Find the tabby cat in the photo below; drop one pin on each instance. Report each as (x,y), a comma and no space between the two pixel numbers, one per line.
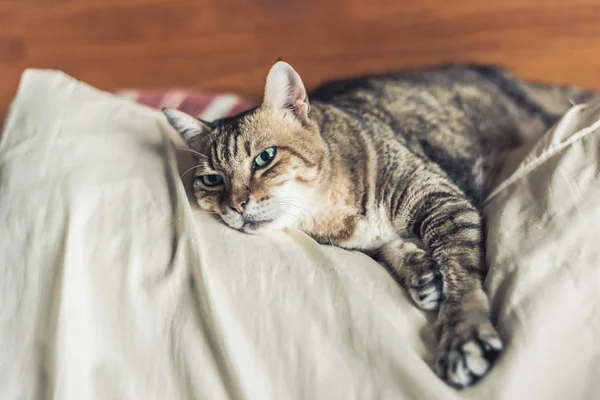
(395,166)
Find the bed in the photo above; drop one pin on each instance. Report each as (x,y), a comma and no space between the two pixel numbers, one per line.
(114,286)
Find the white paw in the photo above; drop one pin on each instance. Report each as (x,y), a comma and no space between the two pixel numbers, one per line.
(427,293)
(466,360)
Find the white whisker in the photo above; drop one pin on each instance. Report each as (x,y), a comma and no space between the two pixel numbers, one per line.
(192,151)
(189,169)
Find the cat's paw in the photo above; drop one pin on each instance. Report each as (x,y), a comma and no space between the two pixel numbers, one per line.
(466,354)
(427,286)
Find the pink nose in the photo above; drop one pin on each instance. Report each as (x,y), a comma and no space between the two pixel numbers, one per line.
(240,206)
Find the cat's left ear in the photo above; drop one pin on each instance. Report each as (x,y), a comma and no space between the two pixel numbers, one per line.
(285,91)
(189,128)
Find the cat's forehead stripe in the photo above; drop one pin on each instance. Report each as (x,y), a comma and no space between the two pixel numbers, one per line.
(235,139)
(225,146)
(221,147)
(214,159)
(232,144)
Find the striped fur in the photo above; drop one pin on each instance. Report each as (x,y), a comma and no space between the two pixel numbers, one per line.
(395,166)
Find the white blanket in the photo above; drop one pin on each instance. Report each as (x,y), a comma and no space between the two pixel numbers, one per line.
(113,287)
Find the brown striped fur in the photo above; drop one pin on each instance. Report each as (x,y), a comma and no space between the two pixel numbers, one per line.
(395,166)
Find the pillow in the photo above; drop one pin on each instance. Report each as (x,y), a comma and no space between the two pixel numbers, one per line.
(115,286)
(544,262)
(207,106)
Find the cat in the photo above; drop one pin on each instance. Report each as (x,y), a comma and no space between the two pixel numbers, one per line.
(396,166)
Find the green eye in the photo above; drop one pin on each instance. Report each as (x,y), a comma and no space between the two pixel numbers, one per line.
(212,180)
(264,158)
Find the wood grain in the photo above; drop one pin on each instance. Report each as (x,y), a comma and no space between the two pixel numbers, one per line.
(228,45)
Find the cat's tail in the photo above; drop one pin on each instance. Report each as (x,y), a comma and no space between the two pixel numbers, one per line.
(557,99)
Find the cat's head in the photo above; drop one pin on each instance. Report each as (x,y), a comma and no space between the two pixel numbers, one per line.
(263,169)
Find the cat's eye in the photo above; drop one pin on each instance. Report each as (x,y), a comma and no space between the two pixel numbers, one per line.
(211,180)
(264,158)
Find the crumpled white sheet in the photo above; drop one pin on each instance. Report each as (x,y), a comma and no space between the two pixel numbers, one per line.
(114,287)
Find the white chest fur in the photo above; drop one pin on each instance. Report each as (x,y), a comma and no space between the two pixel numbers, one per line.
(371,232)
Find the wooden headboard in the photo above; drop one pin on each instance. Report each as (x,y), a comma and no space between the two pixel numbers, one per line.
(228,45)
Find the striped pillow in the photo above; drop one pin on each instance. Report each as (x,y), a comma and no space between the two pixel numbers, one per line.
(206,106)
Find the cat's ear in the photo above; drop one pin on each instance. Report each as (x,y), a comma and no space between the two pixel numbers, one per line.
(189,128)
(285,91)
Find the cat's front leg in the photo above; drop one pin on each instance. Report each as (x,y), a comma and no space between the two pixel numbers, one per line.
(452,230)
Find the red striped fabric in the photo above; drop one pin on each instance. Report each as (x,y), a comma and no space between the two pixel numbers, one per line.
(207,106)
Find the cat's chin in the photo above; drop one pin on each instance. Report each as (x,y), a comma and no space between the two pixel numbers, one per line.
(252,226)
(258,227)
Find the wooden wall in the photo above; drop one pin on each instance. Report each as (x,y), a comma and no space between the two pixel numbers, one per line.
(230,44)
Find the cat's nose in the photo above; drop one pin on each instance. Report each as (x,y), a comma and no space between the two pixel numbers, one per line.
(240,205)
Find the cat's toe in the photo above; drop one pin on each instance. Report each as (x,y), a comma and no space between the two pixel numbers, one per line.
(427,291)
(467,358)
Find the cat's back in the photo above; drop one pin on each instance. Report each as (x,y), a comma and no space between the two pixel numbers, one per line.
(455,99)
(457,116)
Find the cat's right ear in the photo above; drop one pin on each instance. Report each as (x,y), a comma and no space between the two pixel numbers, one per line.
(189,128)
